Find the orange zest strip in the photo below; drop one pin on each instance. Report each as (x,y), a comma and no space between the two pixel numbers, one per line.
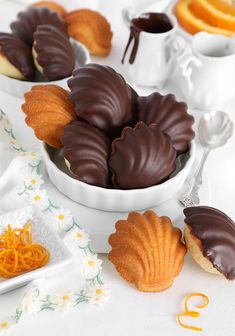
(206,300)
(191,313)
(18,253)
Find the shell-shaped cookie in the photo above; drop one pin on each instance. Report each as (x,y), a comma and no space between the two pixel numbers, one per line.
(147,251)
(170,116)
(27,22)
(142,157)
(214,234)
(86,150)
(53,53)
(48,110)
(101,97)
(21,62)
(51,5)
(92,29)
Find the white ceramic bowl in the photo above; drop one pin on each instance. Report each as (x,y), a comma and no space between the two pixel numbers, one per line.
(113,199)
(17,88)
(42,234)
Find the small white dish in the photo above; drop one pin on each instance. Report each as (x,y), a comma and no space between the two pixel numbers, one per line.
(113,199)
(17,88)
(42,234)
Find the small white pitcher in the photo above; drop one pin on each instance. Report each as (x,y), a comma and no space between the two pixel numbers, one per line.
(154,60)
(207,72)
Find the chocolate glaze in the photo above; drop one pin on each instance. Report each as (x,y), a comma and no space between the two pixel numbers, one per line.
(216,231)
(101,97)
(154,23)
(87,149)
(18,53)
(142,157)
(170,117)
(27,22)
(54,52)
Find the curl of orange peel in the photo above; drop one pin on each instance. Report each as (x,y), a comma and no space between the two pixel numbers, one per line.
(18,253)
(192,313)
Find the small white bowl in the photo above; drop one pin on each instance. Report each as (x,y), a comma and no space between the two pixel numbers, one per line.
(113,199)
(16,87)
(42,234)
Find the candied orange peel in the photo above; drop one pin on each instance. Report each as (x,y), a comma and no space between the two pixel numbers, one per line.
(191,313)
(18,253)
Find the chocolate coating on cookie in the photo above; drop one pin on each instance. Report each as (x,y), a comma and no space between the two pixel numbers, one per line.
(18,53)
(54,52)
(170,116)
(101,97)
(27,22)
(87,150)
(216,231)
(142,157)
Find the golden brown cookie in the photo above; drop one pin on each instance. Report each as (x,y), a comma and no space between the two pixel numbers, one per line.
(92,29)
(147,251)
(48,110)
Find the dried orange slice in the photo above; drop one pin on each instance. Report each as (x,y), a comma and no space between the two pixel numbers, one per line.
(192,23)
(210,14)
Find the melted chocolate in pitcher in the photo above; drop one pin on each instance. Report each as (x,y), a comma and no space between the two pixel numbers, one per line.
(154,23)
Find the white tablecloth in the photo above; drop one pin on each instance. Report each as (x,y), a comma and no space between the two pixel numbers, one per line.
(130,312)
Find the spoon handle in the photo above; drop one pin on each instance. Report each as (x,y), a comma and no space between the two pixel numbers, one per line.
(191,196)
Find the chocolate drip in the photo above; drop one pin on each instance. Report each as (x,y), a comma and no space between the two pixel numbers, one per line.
(154,23)
(216,231)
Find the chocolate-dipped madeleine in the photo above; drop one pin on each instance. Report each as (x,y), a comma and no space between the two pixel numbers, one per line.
(210,238)
(143,156)
(101,97)
(53,53)
(170,117)
(27,22)
(86,151)
(15,58)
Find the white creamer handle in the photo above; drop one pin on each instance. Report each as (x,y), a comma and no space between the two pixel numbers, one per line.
(127,15)
(177,46)
(136,9)
(186,64)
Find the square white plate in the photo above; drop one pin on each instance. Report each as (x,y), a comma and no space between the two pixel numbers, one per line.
(42,234)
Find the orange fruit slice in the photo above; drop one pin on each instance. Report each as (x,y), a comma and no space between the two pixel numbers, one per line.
(194,24)
(223,6)
(210,14)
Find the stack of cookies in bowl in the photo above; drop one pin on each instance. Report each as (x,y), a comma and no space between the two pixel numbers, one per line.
(115,144)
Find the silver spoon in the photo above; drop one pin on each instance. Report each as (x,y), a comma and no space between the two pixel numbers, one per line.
(214,129)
